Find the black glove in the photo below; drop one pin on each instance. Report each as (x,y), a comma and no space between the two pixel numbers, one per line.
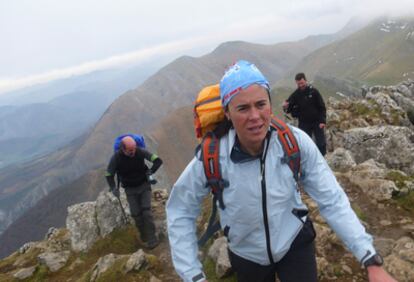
(115,192)
(150,178)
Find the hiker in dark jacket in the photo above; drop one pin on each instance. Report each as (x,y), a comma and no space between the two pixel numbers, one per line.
(129,164)
(307,105)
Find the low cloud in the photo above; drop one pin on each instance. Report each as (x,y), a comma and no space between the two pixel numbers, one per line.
(139,56)
(252,30)
(285,22)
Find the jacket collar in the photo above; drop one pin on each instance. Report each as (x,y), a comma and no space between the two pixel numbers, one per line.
(237,155)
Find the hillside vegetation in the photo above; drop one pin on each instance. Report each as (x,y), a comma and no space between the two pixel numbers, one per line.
(381,53)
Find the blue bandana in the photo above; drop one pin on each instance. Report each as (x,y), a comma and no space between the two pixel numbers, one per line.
(238,77)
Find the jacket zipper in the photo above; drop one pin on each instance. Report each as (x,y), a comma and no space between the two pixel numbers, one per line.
(264,201)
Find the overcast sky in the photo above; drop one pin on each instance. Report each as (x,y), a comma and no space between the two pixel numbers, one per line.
(48,39)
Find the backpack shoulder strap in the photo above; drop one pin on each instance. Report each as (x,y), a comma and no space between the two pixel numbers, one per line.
(210,149)
(289,145)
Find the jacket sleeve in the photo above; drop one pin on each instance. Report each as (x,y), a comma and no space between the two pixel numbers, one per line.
(153,158)
(156,163)
(320,183)
(292,102)
(110,173)
(320,105)
(182,209)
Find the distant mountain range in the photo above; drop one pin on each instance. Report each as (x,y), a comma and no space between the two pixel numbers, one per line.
(380,53)
(40,119)
(115,80)
(35,129)
(160,107)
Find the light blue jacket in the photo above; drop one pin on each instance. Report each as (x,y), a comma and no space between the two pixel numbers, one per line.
(244,213)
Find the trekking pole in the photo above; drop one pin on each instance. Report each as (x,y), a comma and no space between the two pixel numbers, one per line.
(123,211)
(118,182)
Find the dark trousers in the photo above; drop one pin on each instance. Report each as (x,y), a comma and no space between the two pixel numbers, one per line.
(139,200)
(298,265)
(312,128)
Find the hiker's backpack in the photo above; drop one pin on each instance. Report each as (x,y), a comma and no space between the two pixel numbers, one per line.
(139,139)
(210,149)
(207,110)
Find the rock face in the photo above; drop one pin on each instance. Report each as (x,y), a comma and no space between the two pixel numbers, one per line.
(135,261)
(25,273)
(378,127)
(219,254)
(82,224)
(89,221)
(401,261)
(109,215)
(390,145)
(54,260)
(370,177)
(340,160)
(103,264)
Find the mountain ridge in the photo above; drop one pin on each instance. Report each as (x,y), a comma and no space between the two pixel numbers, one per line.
(171,88)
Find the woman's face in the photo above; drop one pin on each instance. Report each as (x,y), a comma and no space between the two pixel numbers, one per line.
(250,113)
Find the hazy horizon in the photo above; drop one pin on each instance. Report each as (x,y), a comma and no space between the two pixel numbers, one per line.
(47,40)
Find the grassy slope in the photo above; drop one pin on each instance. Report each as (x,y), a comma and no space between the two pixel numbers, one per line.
(371,56)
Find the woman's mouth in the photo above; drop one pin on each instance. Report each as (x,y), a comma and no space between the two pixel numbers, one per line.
(255,129)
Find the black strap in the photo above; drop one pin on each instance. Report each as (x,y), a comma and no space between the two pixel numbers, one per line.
(213,225)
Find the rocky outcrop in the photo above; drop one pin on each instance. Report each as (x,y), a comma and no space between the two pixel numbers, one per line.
(82,225)
(89,221)
(401,260)
(371,150)
(370,177)
(390,145)
(377,127)
(219,254)
(54,260)
(24,273)
(103,264)
(135,261)
(340,160)
(123,263)
(109,214)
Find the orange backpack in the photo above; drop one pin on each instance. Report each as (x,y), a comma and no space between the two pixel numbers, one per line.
(208,112)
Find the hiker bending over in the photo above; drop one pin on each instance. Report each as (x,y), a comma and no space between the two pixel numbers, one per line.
(307,105)
(264,218)
(129,165)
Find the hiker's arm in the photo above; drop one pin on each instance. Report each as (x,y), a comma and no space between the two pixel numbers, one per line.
(321,106)
(378,274)
(182,209)
(110,173)
(290,103)
(154,159)
(320,183)
(111,181)
(156,163)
